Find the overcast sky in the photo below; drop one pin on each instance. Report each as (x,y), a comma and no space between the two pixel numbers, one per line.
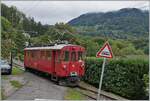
(50,12)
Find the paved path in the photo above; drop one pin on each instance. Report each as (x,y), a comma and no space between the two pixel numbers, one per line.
(38,88)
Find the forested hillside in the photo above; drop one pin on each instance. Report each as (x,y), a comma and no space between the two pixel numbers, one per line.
(15,24)
(21,22)
(124,23)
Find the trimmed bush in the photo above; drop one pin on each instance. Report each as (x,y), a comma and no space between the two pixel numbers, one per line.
(123,76)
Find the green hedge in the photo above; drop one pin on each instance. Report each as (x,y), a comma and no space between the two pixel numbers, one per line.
(123,76)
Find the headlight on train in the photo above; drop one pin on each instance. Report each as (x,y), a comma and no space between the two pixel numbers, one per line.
(73,65)
(82,65)
(64,66)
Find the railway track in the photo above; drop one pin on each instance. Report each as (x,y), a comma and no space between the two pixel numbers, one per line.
(84,88)
(92,92)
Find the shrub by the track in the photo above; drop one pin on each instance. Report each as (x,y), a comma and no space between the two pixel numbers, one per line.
(122,76)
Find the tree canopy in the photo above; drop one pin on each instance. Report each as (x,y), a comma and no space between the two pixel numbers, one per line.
(13,29)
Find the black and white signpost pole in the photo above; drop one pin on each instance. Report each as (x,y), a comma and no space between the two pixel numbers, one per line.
(101,79)
(104,52)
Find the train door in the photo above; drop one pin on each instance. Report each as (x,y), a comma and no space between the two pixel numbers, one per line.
(66,62)
(53,61)
(74,70)
(57,61)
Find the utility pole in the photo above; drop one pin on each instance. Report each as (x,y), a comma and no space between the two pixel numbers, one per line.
(11,56)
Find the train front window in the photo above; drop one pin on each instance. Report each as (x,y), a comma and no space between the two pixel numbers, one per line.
(73,56)
(80,55)
(66,56)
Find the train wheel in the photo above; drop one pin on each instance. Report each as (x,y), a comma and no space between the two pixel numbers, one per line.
(36,72)
(26,69)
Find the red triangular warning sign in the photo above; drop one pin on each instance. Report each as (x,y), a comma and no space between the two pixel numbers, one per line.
(105,51)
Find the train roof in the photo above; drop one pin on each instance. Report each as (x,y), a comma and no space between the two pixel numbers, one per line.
(55,47)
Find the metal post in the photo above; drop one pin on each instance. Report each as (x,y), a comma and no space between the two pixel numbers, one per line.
(100,83)
(11,60)
(11,55)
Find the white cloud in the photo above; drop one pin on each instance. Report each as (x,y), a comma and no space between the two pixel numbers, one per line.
(50,12)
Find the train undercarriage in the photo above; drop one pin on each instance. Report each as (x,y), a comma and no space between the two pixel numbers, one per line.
(71,81)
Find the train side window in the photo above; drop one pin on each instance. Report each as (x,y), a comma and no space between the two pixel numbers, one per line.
(38,55)
(66,56)
(73,56)
(43,55)
(28,54)
(48,54)
(35,55)
(32,54)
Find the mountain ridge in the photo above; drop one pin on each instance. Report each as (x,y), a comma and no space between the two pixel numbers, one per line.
(132,21)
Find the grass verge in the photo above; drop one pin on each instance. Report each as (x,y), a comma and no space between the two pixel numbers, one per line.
(4,77)
(16,84)
(3,97)
(73,94)
(16,71)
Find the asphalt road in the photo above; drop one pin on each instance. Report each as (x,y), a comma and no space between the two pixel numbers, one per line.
(38,87)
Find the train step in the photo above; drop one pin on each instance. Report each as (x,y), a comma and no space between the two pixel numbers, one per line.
(54,78)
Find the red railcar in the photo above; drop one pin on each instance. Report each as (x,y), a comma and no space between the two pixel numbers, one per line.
(64,62)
